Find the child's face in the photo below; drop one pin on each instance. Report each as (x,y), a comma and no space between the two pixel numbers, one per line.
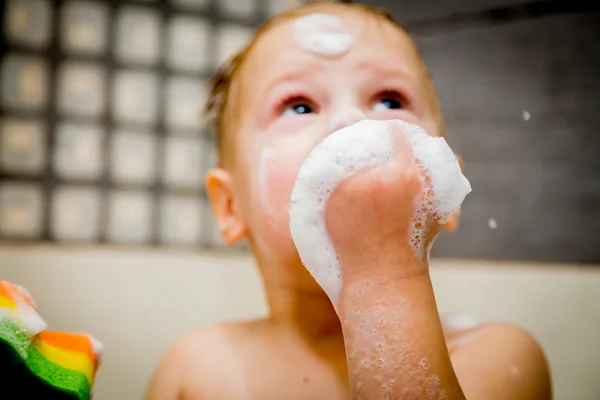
(290,97)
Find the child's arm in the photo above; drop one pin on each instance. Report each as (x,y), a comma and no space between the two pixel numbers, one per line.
(392,331)
(396,350)
(394,339)
(393,335)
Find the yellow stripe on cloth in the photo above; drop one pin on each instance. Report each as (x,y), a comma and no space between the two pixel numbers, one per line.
(5,302)
(68,359)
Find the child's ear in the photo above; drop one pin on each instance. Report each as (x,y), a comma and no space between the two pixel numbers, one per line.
(219,189)
(452,224)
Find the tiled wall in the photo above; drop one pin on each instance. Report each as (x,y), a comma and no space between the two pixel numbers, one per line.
(101,138)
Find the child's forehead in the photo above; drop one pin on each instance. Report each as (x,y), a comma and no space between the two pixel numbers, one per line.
(370,31)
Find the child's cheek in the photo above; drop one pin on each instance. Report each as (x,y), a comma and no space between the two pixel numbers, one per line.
(279,164)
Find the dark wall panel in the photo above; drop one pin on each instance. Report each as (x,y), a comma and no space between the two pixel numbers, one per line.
(522,104)
(418,10)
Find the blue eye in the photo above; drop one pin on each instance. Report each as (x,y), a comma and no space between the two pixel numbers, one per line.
(298,109)
(388,103)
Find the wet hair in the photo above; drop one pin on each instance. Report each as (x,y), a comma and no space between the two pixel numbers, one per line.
(216,110)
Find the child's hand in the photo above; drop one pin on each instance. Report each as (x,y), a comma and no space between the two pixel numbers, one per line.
(392,332)
(370,218)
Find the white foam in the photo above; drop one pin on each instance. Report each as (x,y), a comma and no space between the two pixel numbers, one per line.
(25,316)
(97,347)
(24,290)
(460,322)
(351,150)
(447,186)
(323,34)
(28,320)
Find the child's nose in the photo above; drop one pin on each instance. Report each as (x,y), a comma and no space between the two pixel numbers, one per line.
(345,117)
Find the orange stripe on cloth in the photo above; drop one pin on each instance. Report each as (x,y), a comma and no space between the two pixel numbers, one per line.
(70,359)
(69,341)
(14,293)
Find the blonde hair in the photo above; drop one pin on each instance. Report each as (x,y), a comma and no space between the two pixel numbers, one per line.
(220,84)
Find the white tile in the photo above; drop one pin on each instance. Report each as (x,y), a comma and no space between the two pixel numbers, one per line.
(238,8)
(183,163)
(188,43)
(135,97)
(28,22)
(78,152)
(191,4)
(180,220)
(186,99)
(81,88)
(138,35)
(22,145)
(84,27)
(75,213)
(21,210)
(129,217)
(132,157)
(24,82)
(231,39)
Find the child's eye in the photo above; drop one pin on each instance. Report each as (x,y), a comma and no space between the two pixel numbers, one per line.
(298,109)
(388,103)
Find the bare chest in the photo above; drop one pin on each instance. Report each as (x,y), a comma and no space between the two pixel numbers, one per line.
(296,383)
(291,375)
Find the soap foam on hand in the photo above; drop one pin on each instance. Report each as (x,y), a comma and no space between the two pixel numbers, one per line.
(352,150)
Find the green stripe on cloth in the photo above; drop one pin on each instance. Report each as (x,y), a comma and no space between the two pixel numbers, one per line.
(67,380)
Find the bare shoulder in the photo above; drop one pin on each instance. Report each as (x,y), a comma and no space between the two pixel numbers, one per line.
(501,361)
(195,366)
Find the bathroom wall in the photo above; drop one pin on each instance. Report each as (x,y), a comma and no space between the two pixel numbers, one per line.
(518,83)
(101,135)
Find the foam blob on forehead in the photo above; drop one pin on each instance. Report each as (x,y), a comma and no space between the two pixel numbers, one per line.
(323,34)
(352,150)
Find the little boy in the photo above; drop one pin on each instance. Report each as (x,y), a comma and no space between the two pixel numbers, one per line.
(288,89)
